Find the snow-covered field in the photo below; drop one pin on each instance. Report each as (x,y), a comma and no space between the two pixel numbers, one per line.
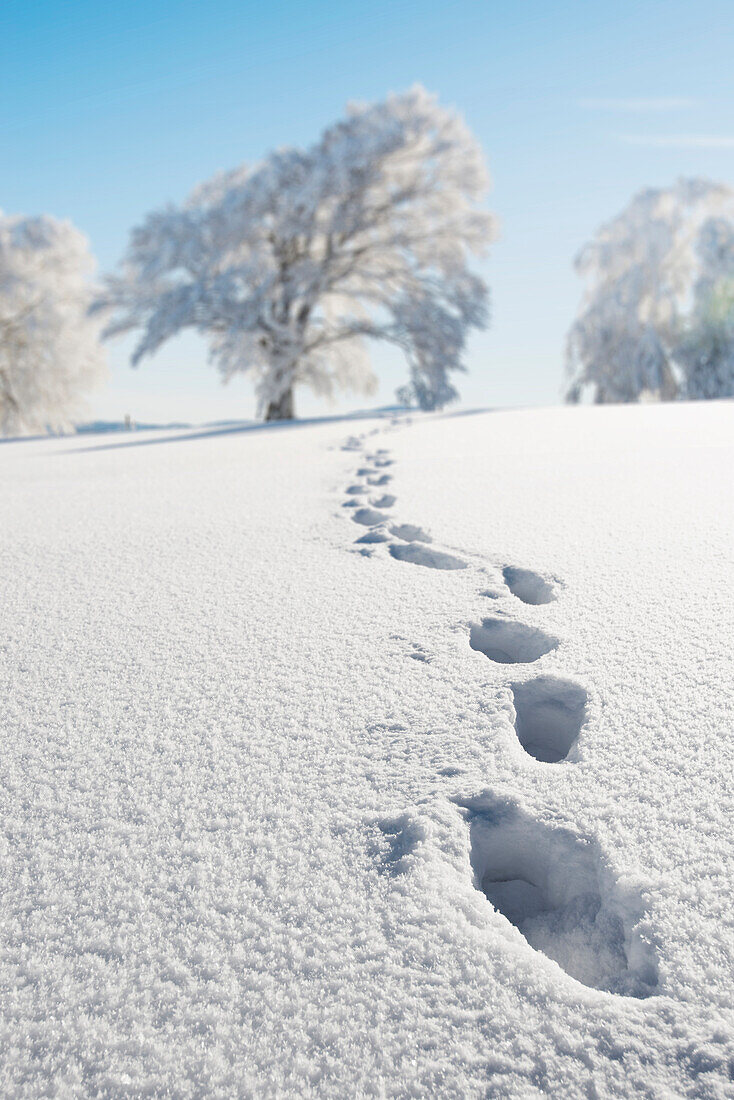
(294,804)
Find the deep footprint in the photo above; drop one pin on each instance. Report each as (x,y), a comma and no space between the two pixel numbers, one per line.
(509,642)
(368,517)
(419,554)
(549,714)
(528,586)
(555,889)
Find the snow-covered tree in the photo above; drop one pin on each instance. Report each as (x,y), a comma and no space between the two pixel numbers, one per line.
(290,266)
(641,270)
(50,353)
(705,352)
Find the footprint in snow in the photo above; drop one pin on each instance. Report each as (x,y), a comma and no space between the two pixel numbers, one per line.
(549,714)
(556,889)
(369,517)
(508,642)
(419,554)
(357,490)
(385,501)
(383,479)
(528,586)
(408,532)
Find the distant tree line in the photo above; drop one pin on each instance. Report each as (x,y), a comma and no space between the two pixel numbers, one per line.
(292,267)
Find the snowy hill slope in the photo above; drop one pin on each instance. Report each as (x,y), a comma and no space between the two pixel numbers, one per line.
(397,764)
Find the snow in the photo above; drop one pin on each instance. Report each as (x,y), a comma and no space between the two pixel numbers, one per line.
(290,813)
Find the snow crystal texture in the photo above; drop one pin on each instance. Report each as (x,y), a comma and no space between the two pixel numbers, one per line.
(443,811)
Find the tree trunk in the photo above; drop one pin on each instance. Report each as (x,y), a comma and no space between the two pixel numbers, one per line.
(282,409)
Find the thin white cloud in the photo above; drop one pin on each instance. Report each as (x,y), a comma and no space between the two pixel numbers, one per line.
(680,141)
(654,103)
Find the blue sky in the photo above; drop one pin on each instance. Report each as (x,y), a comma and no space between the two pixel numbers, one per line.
(108,111)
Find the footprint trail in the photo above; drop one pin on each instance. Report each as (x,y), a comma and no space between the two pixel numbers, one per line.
(552,885)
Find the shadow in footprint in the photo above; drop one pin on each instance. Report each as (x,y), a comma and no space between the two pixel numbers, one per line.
(509,642)
(528,586)
(357,490)
(383,479)
(555,888)
(549,713)
(385,501)
(368,517)
(419,554)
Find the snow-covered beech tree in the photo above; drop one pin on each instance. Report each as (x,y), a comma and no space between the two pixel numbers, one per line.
(641,271)
(291,266)
(50,352)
